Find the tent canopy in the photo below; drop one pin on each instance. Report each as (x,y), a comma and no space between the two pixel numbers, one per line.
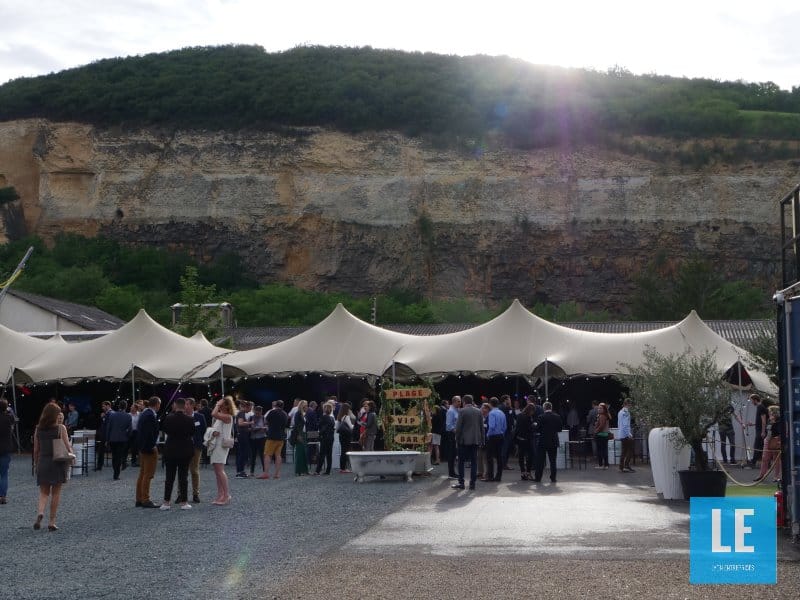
(517,341)
(340,343)
(19,349)
(154,352)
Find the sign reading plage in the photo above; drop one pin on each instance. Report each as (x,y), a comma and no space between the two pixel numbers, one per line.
(407,393)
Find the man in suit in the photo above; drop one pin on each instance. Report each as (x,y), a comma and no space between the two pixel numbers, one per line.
(100,436)
(148,452)
(469,436)
(200,427)
(178,452)
(117,435)
(548,426)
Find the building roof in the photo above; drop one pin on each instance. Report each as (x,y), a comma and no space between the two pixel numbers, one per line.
(740,333)
(87,317)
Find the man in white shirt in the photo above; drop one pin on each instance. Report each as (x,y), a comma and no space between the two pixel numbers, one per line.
(626,437)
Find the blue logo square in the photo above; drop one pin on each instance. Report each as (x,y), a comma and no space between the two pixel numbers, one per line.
(733,540)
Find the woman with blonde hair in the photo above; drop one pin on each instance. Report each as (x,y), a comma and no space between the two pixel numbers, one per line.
(299,439)
(601,434)
(50,474)
(223,441)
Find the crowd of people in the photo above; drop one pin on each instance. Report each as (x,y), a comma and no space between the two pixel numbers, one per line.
(484,435)
(189,434)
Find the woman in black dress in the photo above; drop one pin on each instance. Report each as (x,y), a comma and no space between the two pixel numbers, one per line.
(50,474)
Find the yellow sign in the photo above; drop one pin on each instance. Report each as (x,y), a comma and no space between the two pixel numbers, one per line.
(411,439)
(408,393)
(404,420)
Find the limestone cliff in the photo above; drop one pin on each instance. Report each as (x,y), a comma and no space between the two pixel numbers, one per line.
(368,213)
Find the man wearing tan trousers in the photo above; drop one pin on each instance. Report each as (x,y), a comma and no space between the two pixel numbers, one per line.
(200,427)
(148,452)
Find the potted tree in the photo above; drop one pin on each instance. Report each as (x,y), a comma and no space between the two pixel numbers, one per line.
(685,392)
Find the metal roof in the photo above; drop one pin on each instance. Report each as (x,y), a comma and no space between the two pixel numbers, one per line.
(739,333)
(87,317)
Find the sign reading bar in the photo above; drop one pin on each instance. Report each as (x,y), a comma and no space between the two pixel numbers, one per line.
(403,394)
(410,439)
(404,420)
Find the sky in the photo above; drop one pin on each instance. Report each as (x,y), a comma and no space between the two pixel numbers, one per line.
(756,41)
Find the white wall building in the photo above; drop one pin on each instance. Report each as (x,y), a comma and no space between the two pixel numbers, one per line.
(31,313)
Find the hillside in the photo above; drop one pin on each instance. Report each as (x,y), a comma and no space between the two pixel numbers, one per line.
(363,89)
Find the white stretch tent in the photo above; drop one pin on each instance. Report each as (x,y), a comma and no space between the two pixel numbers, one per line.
(518,341)
(509,343)
(341,343)
(18,349)
(600,353)
(155,352)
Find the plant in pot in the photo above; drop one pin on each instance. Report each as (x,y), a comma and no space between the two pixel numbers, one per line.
(685,392)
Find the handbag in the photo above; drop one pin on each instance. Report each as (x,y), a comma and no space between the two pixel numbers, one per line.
(227,442)
(60,452)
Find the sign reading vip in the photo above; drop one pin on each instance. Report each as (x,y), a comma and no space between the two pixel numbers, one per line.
(732,540)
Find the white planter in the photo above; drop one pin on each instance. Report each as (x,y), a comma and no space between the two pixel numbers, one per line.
(666,460)
(382,463)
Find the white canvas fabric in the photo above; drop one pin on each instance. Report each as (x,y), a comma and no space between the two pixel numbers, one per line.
(340,343)
(155,352)
(518,341)
(18,349)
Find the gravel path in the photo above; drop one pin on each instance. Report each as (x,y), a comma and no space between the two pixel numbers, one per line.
(321,537)
(107,548)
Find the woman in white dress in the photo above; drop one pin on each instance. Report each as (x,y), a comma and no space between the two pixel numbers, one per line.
(223,434)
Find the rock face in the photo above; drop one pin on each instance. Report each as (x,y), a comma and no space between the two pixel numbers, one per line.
(368,213)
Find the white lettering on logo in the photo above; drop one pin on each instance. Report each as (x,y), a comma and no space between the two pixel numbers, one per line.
(716,532)
(741,529)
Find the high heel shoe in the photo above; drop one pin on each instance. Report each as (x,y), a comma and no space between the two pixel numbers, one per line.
(38,523)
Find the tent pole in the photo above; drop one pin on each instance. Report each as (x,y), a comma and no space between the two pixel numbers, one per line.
(394,376)
(546,382)
(16,413)
(133,384)
(221,380)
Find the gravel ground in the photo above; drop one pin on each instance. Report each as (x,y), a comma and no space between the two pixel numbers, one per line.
(500,578)
(292,539)
(107,548)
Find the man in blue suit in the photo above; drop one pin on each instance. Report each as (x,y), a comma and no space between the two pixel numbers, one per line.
(118,432)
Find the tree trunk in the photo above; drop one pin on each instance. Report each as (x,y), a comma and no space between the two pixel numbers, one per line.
(700,457)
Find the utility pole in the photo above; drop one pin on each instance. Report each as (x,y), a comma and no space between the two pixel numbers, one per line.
(7,284)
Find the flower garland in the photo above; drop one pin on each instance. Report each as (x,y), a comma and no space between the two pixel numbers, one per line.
(419,407)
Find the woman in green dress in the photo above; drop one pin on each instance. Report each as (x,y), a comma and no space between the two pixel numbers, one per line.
(299,436)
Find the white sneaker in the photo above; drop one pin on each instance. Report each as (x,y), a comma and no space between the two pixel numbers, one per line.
(186,507)
(164,507)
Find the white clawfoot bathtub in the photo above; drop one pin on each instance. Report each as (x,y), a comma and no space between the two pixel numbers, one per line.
(383,463)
